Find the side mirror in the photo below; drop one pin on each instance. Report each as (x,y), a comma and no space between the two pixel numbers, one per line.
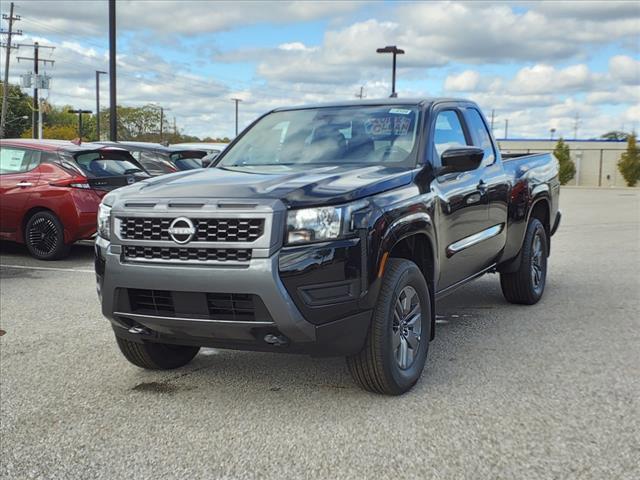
(461,159)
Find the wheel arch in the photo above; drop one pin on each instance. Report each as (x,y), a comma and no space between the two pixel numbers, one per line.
(418,246)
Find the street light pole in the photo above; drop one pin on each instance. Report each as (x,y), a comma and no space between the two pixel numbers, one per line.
(113,109)
(237,100)
(98,73)
(395,51)
(79,112)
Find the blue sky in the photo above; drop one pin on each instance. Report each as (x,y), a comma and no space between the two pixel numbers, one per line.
(538,64)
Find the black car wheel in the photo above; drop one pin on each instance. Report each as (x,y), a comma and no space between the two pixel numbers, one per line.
(44,237)
(395,351)
(526,285)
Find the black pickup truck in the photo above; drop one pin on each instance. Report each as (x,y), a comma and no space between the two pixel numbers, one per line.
(329,229)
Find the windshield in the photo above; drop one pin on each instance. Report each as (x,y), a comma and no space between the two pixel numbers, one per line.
(106,164)
(329,136)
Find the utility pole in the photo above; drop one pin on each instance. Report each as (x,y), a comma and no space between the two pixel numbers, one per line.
(576,124)
(5,89)
(98,73)
(79,112)
(395,51)
(161,123)
(361,95)
(506,128)
(113,110)
(237,100)
(493,115)
(36,80)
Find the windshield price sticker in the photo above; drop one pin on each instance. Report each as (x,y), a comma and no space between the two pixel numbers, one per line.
(400,111)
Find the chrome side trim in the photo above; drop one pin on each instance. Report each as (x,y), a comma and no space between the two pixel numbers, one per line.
(474,239)
(151,318)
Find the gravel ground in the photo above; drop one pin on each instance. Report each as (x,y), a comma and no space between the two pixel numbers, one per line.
(548,391)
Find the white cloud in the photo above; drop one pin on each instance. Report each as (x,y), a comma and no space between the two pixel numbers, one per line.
(625,69)
(463,82)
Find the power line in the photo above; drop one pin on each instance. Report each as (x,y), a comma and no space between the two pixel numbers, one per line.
(8,46)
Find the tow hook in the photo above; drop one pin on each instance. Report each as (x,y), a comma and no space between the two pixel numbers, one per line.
(277,340)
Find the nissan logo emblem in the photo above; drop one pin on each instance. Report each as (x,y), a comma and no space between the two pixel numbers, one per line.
(182,230)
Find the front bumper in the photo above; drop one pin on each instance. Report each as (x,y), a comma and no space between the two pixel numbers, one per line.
(344,334)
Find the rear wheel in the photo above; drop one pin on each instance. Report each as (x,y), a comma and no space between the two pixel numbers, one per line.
(156,356)
(526,285)
(44,237)
(394,354)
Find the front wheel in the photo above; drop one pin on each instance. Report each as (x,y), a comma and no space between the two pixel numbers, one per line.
(526,285)
(395,351)
(156,356)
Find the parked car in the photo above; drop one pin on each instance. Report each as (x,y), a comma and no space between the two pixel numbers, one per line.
(207,147)
(212,149)
(329,230)
(159,160)
(50,191)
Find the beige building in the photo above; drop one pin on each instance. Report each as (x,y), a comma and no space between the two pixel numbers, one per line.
(596,160)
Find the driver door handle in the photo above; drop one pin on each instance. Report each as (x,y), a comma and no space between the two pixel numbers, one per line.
(24,184)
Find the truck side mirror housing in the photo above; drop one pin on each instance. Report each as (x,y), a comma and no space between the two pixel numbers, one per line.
(461,159)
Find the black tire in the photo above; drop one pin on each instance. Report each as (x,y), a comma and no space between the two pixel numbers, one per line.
(156,356)
(377,366)
(526,285)
(44,237)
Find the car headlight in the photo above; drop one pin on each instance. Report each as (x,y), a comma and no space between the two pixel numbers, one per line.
(314,224)
(104,221)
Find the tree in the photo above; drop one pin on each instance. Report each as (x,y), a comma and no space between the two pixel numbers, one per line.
(18,111)
(629,164)
(567,167)
(615,135)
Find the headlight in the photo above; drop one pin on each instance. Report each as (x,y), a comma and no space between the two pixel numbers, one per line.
(314,224)
(104,221)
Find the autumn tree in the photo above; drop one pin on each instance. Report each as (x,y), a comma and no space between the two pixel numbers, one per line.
(629,164)
(567,167)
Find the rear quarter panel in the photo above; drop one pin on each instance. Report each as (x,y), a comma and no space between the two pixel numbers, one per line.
(535,178)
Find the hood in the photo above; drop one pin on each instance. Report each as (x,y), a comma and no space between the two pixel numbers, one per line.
(295,187)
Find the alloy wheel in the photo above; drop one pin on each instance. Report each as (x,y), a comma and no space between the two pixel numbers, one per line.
(407,327)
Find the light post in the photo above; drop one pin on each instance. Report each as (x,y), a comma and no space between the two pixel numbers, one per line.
(98,73)
(395,51)
(237,100)
(552,131)
(79,113)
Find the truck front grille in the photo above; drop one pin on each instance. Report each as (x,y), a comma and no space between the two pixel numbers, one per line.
(207,229)
(235,307)
(184,254)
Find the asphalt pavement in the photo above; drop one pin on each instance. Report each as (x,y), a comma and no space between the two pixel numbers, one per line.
(550,391)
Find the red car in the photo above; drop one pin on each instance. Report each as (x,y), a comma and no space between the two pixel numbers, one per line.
(50,191)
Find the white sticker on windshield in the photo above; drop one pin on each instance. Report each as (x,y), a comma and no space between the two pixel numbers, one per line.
(400,111)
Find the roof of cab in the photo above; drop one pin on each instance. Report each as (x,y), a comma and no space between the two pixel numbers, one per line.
(53,145)
(376,102)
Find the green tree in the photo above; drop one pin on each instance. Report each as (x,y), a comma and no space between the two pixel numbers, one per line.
(629,164)
(615,135)
(567,167)
(18,111)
